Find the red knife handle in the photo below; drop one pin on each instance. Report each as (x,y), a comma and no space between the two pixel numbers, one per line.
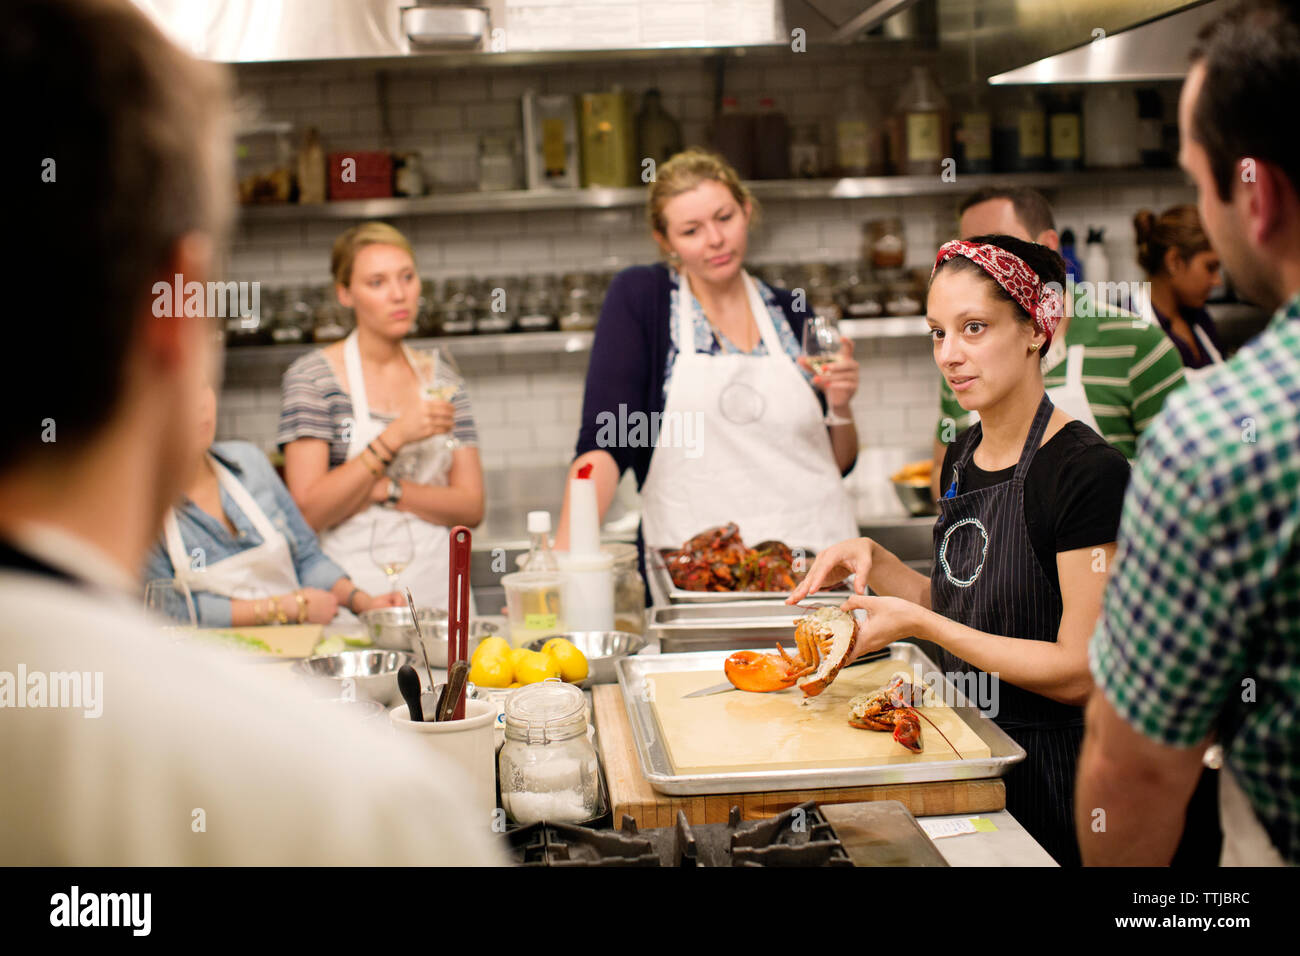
(458,607)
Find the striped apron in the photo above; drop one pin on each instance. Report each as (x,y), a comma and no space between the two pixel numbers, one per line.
(987,576)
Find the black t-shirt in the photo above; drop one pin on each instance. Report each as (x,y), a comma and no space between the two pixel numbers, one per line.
(1074,491)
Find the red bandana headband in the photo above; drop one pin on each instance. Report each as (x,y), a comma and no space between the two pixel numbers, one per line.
(1042,302)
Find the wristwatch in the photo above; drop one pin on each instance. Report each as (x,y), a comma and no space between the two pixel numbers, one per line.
(394,493)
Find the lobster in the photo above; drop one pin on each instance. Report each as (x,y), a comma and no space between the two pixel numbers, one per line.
(823,641)
(893,708)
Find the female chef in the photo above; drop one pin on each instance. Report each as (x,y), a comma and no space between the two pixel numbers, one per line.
(366,450)
(1026,531)
(697,383)
(239,545)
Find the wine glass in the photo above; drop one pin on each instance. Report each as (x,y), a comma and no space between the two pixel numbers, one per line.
(391,548)
(439,388)
(821,342)
(172,601)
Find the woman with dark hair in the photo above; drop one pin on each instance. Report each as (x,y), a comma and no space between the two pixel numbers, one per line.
(1026,533)
(1182,268)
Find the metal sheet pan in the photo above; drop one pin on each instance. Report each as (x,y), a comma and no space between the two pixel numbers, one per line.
(728,626)
(663,585)
(652,753)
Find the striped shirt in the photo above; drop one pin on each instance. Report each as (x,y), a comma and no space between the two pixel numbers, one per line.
(313,404)
(1129,368)
(1200,626)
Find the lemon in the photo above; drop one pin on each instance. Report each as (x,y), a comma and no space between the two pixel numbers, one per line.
(490,671)
(535,666)
(490,647)
(566,656)
(517,654)
(514,684)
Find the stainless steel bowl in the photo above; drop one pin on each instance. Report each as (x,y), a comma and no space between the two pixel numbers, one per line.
(391,627)
(916,498)
(602,650)
(373,673)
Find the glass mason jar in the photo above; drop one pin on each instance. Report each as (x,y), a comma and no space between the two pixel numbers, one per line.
(629,588)
(537,310)
(547,764)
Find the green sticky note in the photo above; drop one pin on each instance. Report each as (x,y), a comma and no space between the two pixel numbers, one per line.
(983,825)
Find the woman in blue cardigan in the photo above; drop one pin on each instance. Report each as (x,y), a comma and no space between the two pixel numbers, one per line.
(697,383)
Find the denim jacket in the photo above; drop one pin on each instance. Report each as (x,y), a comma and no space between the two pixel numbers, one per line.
(200,530)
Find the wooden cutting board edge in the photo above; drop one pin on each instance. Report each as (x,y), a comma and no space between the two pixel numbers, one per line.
(631,793)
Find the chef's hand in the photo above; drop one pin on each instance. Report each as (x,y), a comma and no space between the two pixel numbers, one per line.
(364,602)
(423,419)
(321,605)
(834,565)
(888,619)
(838,380)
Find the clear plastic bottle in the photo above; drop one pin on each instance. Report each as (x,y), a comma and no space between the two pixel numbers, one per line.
(540,556)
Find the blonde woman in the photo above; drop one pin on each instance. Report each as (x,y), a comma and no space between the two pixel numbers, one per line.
(366,452)
(701,345)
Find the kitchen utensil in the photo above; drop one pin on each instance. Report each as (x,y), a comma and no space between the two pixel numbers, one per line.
(415,620)
(882,833)
(363,675)
(734,734)
(408,682)
(454,693)
(725,686)
(602,650)
(458,604)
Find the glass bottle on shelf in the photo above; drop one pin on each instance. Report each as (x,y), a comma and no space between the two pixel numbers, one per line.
(973,134)
(923,125)
(1065,132)
(771,142)
(659,136)
(537,307)
(859,135)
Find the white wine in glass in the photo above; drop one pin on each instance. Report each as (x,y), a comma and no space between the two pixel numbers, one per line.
(434,390)
(391,548)
(821,342)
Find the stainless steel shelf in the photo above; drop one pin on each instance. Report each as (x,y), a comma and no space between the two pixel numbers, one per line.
(532,343)
(785,190)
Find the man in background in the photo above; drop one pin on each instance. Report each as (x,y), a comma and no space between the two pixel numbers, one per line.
(1199,636)
(118,746)
(1106,367)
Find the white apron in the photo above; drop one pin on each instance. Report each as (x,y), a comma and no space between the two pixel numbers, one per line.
(1245,841)
(426,462)
(1071,397)
(250,575)
(758,450)
(1190,374)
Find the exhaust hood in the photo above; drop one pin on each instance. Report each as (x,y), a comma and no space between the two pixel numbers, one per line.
(250,31)
(1155,50)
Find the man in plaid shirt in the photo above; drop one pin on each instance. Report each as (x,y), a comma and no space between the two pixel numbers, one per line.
(1199,638)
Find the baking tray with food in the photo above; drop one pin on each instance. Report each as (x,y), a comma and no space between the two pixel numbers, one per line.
(716,565)
(814,727)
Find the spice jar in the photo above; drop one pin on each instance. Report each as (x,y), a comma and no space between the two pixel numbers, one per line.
(547,765)
(629,588)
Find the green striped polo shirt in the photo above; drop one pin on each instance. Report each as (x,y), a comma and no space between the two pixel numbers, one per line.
(1129,367)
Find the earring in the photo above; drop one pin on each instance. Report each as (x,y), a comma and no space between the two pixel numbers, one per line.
(1034,347)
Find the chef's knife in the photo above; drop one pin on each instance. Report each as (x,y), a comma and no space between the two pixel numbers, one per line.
(727,685)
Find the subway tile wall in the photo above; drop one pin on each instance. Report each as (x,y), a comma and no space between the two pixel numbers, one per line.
(528,406)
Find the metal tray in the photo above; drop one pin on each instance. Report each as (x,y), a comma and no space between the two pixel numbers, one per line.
(718,627)
(653,754)
(657,568)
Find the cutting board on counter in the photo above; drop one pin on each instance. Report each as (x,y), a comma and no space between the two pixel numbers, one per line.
(285,640)
(632,795)
(784,730)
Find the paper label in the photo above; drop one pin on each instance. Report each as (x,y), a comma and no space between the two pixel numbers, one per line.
(924,142)
(851,142)
(977,135)
(540,622)
(1065,136)
(1033,134)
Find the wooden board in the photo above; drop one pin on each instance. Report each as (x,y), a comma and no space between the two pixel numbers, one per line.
(632,795)
(284,640)
(785,730)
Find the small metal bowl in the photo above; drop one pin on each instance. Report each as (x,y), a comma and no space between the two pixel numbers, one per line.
(916,498)
(373,673)
(391,627)
(601,648)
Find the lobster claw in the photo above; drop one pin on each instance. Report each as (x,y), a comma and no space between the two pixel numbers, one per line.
(907,731)
(755,671)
